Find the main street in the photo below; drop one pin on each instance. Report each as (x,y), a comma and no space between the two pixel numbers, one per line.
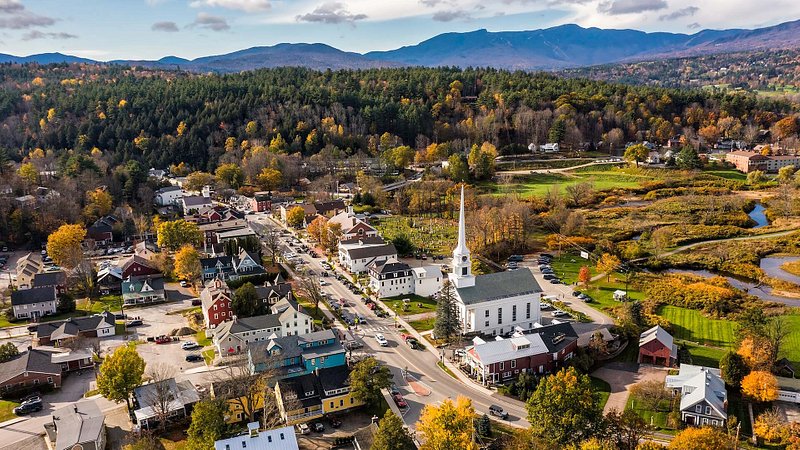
(420,364)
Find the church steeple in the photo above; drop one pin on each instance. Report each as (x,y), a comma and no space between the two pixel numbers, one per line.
(461,275)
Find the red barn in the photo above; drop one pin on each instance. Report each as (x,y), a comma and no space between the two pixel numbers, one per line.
(138,266)
(656,347)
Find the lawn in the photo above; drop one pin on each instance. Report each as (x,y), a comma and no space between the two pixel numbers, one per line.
(423,325)
(105,303)
(201,338)
(7,410)
(658,418)
(430,235)
(540,183)
(415,304)
(691,325)
(208,356)
(602,388)
(728,174)
(316,314)
(704,356)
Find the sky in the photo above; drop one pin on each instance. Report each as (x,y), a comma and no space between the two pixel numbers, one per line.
(150,29)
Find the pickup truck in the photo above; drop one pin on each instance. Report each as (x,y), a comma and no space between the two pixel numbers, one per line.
(410,340)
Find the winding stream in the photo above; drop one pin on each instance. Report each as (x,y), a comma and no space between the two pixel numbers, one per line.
(758,215)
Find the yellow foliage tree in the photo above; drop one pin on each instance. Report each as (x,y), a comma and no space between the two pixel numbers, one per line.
(64,245)
(98,204)
(181,128)
(760,385)
(295,216)
(29,173)
(51,114)
(771,427)
(269,179)
(448,426)
(607,264)
(187,263)
(317,228)
(706,438)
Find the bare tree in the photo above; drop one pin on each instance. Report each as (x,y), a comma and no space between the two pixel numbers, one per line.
(160,395)
(85,277)
(250,392)
(651,393)
(579,193)
(309,288)
(272,243)
(777,331)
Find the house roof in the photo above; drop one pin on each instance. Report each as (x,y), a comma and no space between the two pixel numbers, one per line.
(333,378)
(33,295)
(223,226)
(168,189)
(507,349)
(659,334)
(277,439)
(427,272)
(212,262)
(499,285)
(239,232)
(75,325)
(137,259)
(28,361)
(55,278)
(246,324)
(71,355)
(362,241)
(305,387)
(78,423)
(294,346)
(138,285)
(389,267)
(332,205)
(372,251)
(182,394)
(196,200)
(278,289)
(212,291)
(704,384)
(109,272)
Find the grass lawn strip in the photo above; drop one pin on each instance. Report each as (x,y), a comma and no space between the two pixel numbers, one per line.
(7,410)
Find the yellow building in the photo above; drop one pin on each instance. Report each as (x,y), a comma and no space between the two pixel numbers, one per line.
(308,397)
(238,407)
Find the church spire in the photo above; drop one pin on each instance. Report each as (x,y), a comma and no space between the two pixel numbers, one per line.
(461,276)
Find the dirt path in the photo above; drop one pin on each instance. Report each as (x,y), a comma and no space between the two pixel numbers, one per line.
(562,170)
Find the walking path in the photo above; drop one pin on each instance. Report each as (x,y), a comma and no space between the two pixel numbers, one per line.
(559,170)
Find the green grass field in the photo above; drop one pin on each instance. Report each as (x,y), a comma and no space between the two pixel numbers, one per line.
(412,306)
(538,184)
(691,325)
(602,388)
(728,174)
(7,410)
(658,417)
(423,325)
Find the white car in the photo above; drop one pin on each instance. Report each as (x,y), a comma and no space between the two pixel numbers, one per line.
(558,313)
(290,255)
(381,340)
(303,428)
(190,345)
(323,283)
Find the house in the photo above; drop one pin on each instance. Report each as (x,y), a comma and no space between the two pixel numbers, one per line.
(310,396)
(158,174)
(102,230)
(138,266)
(149,398)
(704,400)
(28,370)
(653,157)
(193,203)
(26,201)
(232,235)
(356,255)
(28,266)
(147,250)
(244,264)
(34,303)
(168,196)
(210,230)
(390,278)
(62,332)
(748,161)
(656,347)
(143,290)
(293,320)
(270,294)
(310,212)
(788,389)
(277,439)
(72,360)
(79,426)
(55,278)
(217,213)
(353,227)
(232,337)
(296,355)
(216,300)
(541,350)
(260,202)
(428,280)
(109,279)
(495,303)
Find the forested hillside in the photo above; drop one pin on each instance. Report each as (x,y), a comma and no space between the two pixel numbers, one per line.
(161,118)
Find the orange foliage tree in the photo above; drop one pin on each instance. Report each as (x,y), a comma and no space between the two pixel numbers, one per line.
(584,276)
(761,386)
(706,438)
(756,351)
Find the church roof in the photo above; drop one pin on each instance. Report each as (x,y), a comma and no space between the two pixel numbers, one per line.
(499,285)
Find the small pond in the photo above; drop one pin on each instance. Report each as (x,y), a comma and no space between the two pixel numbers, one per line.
(758,215)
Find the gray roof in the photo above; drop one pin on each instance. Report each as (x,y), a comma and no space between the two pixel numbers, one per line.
(247,324)
(364,240)
(279,289)
(294,346)
(29,361)
(698,383)
(54,278)
(33,295)
(391,267)
(75,325)
(196,200)
(372,252)
(183,393)
(168,189)
(78,423)
(135,285)
(494,286)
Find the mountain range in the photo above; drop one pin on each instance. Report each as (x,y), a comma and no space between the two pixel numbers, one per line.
(564,46)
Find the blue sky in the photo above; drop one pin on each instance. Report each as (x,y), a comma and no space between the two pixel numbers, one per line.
(150,29)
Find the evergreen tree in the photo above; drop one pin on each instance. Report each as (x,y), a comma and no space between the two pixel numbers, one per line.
(687,158)
(484,426)
(448,323)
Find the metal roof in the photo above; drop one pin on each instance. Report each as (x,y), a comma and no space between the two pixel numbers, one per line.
(511,283)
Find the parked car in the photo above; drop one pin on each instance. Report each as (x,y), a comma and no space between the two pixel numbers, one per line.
(303,428)
(546,255)
(134,323)
(549,276)
(558,313)
(381,340)
(394,390)
(28,407)
(498,411)
(555,281)
(196,302)
(163,339)
(545,306)
(194,357)
(399,401)
(516,258)
(183,283)
(576,294)
(323,283)
(35,395)
(334,422)
(410,340)
(318,427)
(352,345)
(190,345)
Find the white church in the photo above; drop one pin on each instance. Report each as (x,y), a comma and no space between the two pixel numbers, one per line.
(493,304)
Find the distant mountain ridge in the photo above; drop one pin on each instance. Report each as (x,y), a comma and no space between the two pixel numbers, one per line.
(553,48)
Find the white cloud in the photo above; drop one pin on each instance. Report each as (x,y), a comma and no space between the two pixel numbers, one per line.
(214,23)
(331,13)
(241,5)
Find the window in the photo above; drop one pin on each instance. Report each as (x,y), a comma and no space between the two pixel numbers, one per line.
(528,311)
(269,438)
(244,444)
(708,410)
(216,316)
(487,313)
(698,408)
(50,380)
(514,364)
(341,402)
(281,436)
(486,324)
(499,316)
(331,405)
(514,313)
(502,365)
(464,271)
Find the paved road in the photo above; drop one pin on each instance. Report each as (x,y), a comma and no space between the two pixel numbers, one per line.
(559,170)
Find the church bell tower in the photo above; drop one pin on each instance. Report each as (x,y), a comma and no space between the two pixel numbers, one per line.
(461,276)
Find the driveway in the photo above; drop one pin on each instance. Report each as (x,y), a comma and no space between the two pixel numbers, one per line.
(621,376)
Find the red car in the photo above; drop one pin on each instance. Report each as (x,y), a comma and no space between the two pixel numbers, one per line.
(398,400)
(343,303)
(163,339)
